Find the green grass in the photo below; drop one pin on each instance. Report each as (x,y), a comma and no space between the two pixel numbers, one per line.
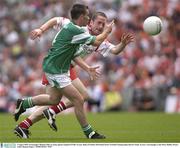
(117,126)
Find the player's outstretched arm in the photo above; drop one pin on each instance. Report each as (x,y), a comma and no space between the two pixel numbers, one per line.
(100,38)
(39,31)
(125,39)
(92,71)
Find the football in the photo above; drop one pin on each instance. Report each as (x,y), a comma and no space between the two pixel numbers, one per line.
(152,25)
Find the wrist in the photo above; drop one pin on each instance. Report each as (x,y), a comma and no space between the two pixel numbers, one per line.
(42,30)
(88,69)
(123,44)
(107,32)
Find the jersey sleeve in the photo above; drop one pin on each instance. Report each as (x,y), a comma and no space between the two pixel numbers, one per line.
(81,36)
(105,48)
(60,22)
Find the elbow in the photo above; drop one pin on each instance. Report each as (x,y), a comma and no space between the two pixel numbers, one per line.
(54,20)
(115,53)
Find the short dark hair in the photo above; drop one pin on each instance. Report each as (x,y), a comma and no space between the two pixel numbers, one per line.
(96,14)
(77,10)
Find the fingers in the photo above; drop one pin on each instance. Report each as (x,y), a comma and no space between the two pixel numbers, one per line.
(98,74)
(95,77)
(94,74)
(112,22)
(130,38)
(33,35)
(91,78)
(109,27)
(128,35)
(96,67)
(94,70)
(127,38)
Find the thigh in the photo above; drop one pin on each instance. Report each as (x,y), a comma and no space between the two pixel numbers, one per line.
(71,93)
(80,87)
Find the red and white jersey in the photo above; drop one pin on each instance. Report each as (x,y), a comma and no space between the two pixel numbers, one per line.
(61,21)
(84,49)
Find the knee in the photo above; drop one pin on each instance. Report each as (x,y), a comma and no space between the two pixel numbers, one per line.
(79,102)
(85,96)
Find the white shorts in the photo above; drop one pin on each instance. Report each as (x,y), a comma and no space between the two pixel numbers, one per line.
(58,80)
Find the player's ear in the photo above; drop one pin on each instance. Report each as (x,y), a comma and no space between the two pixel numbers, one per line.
(81,17)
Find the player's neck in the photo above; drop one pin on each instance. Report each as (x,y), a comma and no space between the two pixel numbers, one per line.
(77,22)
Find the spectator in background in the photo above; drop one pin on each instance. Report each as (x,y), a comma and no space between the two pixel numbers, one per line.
(20,57)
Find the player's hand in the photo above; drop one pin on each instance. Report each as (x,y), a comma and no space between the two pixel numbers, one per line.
(36,33)
(93,73)
(109,27)
(127,38)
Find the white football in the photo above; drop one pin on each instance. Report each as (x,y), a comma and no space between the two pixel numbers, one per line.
(152,25)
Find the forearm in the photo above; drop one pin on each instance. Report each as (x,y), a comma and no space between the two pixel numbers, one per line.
(79,61)
(118,48)
(48,24)
(90,70)
(100,38)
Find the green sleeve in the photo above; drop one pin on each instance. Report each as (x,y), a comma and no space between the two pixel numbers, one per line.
(80,36)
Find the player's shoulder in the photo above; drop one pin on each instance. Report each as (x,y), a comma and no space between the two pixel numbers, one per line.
(85,28)
(75,28)
(63,20)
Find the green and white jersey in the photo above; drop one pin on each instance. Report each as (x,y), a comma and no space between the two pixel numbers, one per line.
(84,49)
(65,44)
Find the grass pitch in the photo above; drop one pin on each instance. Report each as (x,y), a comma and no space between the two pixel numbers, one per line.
(118,127)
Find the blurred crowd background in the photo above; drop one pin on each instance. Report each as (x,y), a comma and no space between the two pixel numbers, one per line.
(145,77)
